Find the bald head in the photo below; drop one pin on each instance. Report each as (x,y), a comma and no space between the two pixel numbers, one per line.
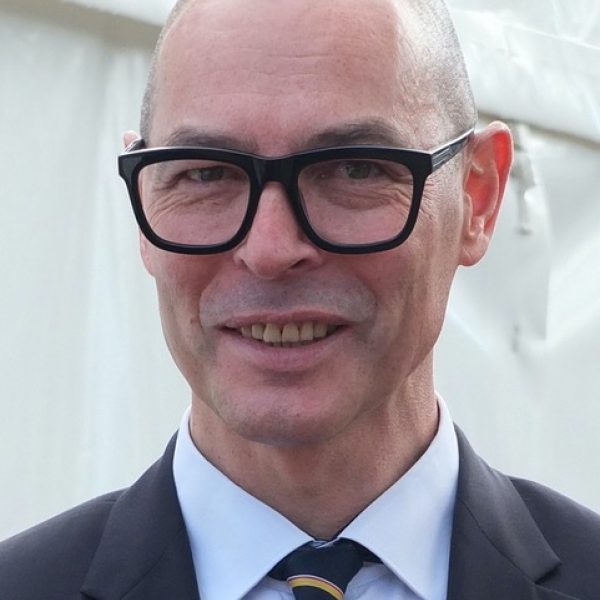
(427,39)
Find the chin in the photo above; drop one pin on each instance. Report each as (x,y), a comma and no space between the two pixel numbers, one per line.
(283,419)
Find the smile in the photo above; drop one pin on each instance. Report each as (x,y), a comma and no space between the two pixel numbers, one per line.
(288,335)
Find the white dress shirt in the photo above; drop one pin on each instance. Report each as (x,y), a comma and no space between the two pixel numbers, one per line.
(409,527)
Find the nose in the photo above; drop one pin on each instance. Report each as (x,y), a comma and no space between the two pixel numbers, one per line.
(276,246)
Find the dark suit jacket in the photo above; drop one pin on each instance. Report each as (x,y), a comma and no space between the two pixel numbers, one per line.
(512,540)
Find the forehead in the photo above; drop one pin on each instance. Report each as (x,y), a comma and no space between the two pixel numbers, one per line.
(274,73)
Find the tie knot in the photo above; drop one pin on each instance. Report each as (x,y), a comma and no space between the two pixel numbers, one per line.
(321,572)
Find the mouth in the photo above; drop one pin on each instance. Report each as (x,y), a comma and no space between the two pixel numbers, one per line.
(287,335)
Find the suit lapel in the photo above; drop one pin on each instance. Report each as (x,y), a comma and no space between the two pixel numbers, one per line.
(144,553)
(497,550)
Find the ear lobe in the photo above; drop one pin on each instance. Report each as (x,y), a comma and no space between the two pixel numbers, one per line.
(485,182)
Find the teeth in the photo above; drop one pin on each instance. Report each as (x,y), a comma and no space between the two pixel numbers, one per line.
(320,330)
(258,331)
(272,334)
(291,334)
(307,333)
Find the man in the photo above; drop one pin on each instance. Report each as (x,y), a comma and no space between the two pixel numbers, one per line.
(303,262)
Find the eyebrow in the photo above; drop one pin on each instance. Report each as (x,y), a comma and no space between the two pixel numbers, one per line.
(186,136)
(370,131)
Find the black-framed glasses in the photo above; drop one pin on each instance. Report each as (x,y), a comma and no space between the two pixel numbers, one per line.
(348,200)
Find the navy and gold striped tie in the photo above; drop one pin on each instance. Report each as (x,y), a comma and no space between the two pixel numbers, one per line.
(322,572)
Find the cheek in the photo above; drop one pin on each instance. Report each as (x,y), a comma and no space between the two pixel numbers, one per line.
(440,226)
(181,282)
(413,282)
(437,256)
(181,277)
(394,279)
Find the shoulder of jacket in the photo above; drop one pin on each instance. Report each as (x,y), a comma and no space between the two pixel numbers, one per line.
(50,560)
(555,511)
(573,532)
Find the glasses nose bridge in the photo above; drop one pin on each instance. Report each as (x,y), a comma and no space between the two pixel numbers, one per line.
(279,170)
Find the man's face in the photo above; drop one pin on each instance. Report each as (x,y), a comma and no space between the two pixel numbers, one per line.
(274,78)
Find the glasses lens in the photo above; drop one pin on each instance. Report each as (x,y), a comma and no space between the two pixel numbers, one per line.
(356,201)
(194,202)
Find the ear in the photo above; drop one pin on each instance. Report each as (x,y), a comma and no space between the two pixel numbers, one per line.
(490,158)
(129,137)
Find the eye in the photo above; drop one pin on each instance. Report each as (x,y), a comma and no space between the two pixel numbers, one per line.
(360,169)
(207,174)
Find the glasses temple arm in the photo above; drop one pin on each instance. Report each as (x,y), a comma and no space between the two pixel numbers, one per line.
(447,152)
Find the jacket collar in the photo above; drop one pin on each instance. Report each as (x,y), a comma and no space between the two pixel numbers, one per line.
(497,549)
(144,552)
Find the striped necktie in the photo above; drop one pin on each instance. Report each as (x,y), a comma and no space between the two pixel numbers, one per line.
(322,572)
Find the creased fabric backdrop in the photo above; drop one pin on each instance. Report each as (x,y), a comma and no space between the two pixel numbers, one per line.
(89,395)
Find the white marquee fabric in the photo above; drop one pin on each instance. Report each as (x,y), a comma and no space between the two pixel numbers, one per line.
(89,394)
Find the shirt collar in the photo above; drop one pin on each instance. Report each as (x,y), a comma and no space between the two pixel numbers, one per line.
(409,526)
(226,525)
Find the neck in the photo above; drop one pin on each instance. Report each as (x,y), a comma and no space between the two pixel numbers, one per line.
(321,487)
